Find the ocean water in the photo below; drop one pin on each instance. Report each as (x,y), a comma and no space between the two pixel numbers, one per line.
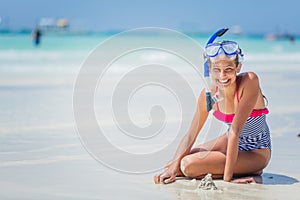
(41,152)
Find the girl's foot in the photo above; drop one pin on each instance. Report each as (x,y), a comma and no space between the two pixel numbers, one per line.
(244,180)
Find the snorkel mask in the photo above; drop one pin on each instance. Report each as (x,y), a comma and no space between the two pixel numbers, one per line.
(212,50)
(228,48)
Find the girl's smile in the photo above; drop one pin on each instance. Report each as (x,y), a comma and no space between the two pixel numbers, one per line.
(223,72)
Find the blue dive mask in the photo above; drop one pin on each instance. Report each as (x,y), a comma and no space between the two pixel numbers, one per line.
(229,48)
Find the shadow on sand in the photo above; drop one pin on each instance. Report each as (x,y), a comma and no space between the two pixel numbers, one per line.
(275,179)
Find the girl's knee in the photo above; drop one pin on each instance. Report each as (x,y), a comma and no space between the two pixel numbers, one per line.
(182,166)
(185,166)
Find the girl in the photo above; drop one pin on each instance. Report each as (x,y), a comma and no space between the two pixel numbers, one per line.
(245,149)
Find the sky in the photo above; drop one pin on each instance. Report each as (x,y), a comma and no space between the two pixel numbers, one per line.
(255,16)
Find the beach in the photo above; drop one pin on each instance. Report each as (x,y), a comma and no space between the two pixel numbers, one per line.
(44,153)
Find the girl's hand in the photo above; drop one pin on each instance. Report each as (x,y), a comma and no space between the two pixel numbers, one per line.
(168,176)
(227,178)
(164,177)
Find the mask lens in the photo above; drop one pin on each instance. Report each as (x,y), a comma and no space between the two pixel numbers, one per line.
(230,48)
(212,50)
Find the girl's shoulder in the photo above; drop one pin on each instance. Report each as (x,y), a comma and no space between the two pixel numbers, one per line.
(247,81)
(247,77)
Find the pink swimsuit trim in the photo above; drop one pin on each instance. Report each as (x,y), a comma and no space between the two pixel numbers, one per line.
(228,118)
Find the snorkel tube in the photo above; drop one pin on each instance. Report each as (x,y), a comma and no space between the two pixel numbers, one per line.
(209,100)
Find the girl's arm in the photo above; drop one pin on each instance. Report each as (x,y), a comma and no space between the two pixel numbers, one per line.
(173,167)
(198,121)
(250,93)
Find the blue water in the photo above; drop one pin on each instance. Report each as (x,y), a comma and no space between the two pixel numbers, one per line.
(68,42)
(18,49)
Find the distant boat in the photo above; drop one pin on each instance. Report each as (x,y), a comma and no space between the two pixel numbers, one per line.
(236,30)
(62,23)
(53,25)
(46,23)
(274,36)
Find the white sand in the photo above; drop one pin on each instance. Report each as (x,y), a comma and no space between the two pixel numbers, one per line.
(234,191)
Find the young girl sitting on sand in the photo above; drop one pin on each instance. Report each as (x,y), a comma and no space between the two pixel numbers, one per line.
(245,149)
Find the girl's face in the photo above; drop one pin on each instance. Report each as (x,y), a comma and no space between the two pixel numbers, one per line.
(223,72)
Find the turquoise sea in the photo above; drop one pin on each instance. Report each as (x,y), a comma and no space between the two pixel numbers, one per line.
(41,156)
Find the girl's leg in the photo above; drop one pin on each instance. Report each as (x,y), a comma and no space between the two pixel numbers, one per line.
(199,164)
(252,162)
(248,162)
(216,149)
(217,144)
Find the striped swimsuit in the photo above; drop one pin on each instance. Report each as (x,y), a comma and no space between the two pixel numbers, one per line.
(255,133)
